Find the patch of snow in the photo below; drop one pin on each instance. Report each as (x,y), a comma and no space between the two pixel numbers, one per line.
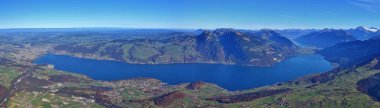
(371,29)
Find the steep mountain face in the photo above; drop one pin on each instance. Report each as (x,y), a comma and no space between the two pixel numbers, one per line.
(226,46)
(352,52)
(325,38)
(229,45)
(364,33)
(295,33)
(370,86)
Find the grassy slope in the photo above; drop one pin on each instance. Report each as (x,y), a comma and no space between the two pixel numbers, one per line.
(339,92)
(23,99)
(46,100)
(7,74)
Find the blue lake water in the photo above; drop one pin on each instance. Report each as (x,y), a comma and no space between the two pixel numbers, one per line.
(230,77)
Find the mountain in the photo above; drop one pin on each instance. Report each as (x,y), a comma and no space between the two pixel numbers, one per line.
(295,33)
(226,46)
(364,33)
(325,38)
(375,37)
(352,52)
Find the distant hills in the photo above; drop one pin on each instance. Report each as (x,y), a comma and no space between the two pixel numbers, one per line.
(359,33)
(325,38)
(364,33)
(352,53)
(295,33)
(226,46)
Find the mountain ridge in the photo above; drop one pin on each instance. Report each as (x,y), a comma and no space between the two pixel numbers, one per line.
(363,33)
(325,38)
(226,46)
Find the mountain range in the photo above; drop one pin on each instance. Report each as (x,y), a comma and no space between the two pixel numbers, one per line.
(354,52)
(226,46)
(364,33)
(359,33)
(295,33)
(325,38)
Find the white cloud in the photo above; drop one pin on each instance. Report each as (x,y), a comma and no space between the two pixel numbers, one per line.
(369,5)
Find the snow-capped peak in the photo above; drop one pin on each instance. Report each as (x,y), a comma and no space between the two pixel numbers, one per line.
(372,29)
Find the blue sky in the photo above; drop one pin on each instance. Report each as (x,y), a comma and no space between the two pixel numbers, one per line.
(244,14)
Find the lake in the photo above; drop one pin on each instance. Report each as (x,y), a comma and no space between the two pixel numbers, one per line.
(230,77)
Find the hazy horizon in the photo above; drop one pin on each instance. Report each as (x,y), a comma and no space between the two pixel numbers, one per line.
(131,28)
